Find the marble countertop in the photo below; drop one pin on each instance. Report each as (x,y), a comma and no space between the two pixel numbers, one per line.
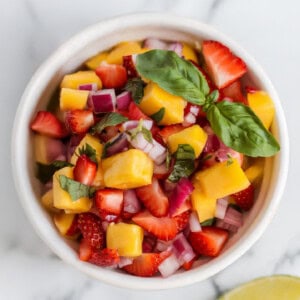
(31,29)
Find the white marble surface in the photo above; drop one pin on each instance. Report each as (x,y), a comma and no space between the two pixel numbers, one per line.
(31,29)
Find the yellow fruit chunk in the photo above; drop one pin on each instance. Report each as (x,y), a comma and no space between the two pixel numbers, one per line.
(47,201)
(203,205)
(255,171)
(156,98)
(189,53)
(96,60)
(62,199)
(93,142)
(63,222)
(125,48)
(222,179)
(126,170)
(126,238)
(263,106)
(194,136)
(72,99)
(72,81)
(99,178)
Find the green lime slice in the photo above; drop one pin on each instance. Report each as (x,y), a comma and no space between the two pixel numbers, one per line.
(277,287)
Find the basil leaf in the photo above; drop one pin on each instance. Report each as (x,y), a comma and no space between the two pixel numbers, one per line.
(109,119)
(184,162)
(45,172)
(89,151)
(158,116)
(173,74)
(208,222)
(76,189)
(136,87)
(147,134)
(240,129)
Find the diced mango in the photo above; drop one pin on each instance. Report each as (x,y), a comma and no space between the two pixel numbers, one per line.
(255,171)
(222,179)
(72,99)
(189,53)
(126,238)
(115,56)
(96,60)
(156,98)
(72,81)
(62,199)
(194,136)
(93,142)
(126,170)
(99,178)
(63,222)
(263,106)
(41,144)
(47,201)
(203,205)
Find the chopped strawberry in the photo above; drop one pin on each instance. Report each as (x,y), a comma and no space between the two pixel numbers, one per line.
(223,66)
(161,171)
(154,199)
(188,265)
(182,220)
(145,265)
(85,250)
(134,113)
(209,241)
(245,198)
(163,228)
(112,76)
(48,124)
(105,257)
(148,243)
(128,63)
(109,202)
(185,206)
(85,170)
(73,230)
(91,229)
(79,120)
(169,130)
(234,91)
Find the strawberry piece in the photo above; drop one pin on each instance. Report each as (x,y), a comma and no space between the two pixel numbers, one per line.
(154,199)
(73,230)
(91,229)
(105,257)
(109,202)
(234,91)
(85,250)
(148,244)
(223,66)
(48,124)
(209,241)
(182,220)
(188,265)
(245,198)
(112,76)
(129,65)
(163,228)
(79,120)
(134,113)
(85,170)
(169,130)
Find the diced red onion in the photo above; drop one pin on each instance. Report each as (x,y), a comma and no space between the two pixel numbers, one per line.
(213,142)
(125,261)
(182,249)
(131,124)
(221,224)
(160,169)
(233,217)
(162,245)
(55,150)
(194,222)
(153,43)
(88,87)
(158,153)
(176,47)
(189,119)
(49,185)
(169,186)
(103,101)
(221,208)
(131,203)
(194,110)
(72,144)
(123,100)
(182,191)
(169,265)
(117,144)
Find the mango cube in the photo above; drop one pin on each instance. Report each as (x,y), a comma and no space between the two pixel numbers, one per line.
(126,238)
(222,179)
(63,222)
(62,199)
(263,106)
(126,170)
(47,201)
(194,136)
(72,81)
(255,171)
(72,99)
(99,178)
(189,53)
(96,60)
(156,98)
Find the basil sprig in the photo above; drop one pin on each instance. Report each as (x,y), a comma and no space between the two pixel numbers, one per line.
(136,87)
(159,115)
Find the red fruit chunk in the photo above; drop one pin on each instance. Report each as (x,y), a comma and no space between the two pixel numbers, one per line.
(85,250)
(223,66)
(73,228)
(234,92)
(154,199)
(169,130)
(112,76)
(245,198)
(163,228)
(79,121)
(46,123)
(128,64)
(188,265)
(91,229)
(134,113)
(209,241)
(105,257)
(85,170)
(182,220)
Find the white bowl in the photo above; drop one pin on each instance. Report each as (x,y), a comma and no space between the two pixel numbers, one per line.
(68,58)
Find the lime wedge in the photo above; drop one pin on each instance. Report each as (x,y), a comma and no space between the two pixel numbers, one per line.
(277,287)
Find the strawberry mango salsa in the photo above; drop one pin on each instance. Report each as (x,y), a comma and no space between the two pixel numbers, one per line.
(152,153)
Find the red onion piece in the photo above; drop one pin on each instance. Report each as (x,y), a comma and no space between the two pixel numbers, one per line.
(169,186)
(189,119)
(131,203)
(103,101)
(162,245)
(160,169)
(233,217)
(88,87)
(123,100)
(212,143)
(221,208)
(55,149)
(221,224)
(125,261)
(182,249)
(169,265)
(131,124)
(194,110)
(117,144)
(176,47)
(72,144)
(182,191)
(194,222)
(158,153)
(153,43)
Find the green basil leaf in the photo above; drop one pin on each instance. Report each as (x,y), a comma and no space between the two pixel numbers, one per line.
(184,162)
(45,172)
(240,129)
(76,189)
(173,74)
(136,87)
(208,222)
(147,134)
(110,119)
(158,116)
(89,151)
